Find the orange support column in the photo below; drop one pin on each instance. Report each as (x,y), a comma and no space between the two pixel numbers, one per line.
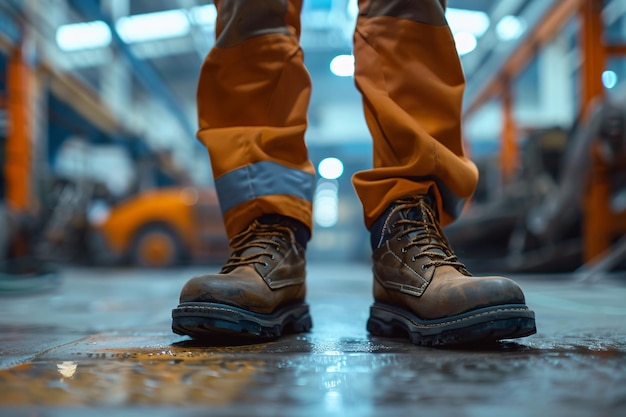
(598,220)
(593,53)
(597,211)
(18,165)
(509,150)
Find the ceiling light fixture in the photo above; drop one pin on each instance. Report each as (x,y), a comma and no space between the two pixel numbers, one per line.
(330,168)
(153,26)
(465,42)
(342,65)
(204,15)
(87,35)
(510,28)
(470,21)
(609,79)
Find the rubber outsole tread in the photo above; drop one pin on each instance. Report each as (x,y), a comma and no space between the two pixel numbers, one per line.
(484,325)
(208,320)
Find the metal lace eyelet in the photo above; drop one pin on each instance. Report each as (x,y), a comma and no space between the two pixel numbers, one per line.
(424,267)
(404,250)
(273,257)
(266,265)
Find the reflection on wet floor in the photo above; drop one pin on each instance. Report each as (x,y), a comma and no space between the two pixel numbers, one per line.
(102,340)
(188,375)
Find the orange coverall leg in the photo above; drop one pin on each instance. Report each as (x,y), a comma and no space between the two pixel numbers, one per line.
(253,96)
(412,84)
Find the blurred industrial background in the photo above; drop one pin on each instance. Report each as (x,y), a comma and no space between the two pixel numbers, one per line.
(107,207)
(99,164)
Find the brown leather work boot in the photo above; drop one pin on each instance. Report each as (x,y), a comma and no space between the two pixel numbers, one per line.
(422,289)
(259,292)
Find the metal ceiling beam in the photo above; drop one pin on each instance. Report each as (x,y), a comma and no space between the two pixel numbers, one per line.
(145,73)
(548,17)
(489,41)
(145,50)
(8,26)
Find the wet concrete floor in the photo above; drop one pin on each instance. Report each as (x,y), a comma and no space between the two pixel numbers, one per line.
(100,343)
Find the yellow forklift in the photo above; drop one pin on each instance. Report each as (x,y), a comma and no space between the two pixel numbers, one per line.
(59,218)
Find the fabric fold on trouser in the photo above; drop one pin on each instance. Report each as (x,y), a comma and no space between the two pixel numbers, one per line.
(410,77)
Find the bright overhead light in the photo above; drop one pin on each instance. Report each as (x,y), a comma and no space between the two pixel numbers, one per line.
(510,28)
(609,79)
(330,168)
(204,15)
(470,21)
(87,35)
(352,8)
(465,42)
(342,65)
(153,26)
(326,211)
(326,204)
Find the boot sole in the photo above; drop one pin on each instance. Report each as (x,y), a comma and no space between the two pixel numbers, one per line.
(205,320)
(483,325)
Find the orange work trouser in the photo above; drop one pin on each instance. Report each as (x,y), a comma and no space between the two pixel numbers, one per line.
(254,91)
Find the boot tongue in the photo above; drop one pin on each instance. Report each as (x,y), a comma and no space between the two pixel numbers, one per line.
(274,228)
(248,243)
(301,232)
(423,213)
(417,209)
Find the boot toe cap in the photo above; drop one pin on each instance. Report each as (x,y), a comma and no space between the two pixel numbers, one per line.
(454,294)
(484,292)
(210,289)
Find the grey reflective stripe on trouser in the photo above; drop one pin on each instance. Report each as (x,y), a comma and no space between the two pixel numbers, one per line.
(262,179)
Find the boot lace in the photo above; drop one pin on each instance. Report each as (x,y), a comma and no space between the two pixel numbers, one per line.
(426,234)
(261,236)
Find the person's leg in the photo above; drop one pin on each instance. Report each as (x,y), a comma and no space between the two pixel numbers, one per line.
(411,80)
(253,94)
(409,74)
